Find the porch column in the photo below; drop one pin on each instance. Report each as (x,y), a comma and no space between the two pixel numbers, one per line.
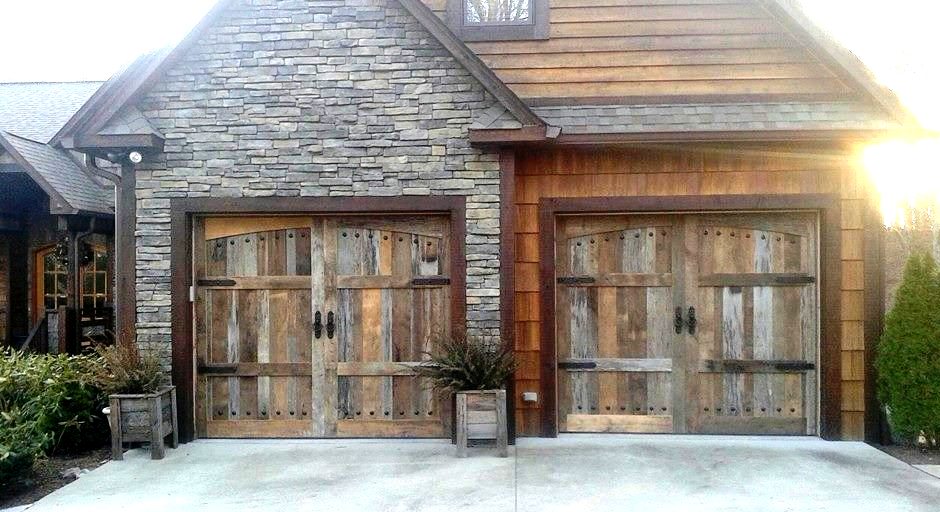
(125,269)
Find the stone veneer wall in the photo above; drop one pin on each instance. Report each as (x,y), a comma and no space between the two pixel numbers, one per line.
(316,98)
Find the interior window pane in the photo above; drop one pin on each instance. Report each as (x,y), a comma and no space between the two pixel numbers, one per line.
(496,11)
(48,284)
(61,286)
(100,278)
(88,282)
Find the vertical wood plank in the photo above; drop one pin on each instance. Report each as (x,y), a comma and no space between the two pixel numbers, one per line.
(462,425)
(264,353)
(763,328)
(327,265)
(732,335)
(660,333)
(323,407)
(232,355)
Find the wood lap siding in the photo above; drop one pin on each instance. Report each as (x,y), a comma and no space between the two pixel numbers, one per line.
(650,48)
(563,172)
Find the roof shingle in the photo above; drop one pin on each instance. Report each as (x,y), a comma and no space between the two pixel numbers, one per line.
(37,110)
(716,117)
(69,187)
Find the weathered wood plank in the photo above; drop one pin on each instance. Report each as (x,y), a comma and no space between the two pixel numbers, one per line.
(619,423)
(757,279)
(377,368)
(255,369)
(751,425)
(754,366)
(618,280)
(651,365)
(260,429)
(392,282)
(397,428)
(255,282)
(732,336)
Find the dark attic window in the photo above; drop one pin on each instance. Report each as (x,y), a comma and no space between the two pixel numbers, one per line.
(498,20)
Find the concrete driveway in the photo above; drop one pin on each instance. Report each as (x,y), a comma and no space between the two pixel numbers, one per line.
(589,473)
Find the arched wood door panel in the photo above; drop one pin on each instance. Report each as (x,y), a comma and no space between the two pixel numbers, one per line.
(757,293)
(253,343)
(614,297)
(393,304)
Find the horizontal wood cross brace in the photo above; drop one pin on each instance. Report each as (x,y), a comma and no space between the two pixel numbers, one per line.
(619,280)
(257,283)
(753,425)
(617,365)
(367,369)
(255,369)
(754,366)
(766,279)
(399,281)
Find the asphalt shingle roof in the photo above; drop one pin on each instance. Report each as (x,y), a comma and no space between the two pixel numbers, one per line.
(72,188)
(37,110)
(717,117)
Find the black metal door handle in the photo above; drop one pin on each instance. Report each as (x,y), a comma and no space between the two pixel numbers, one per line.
(678,323)
(330,325)
(317,325)
(692,322)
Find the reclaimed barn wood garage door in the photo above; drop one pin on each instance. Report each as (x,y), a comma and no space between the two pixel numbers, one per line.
(310,326)
(687,323)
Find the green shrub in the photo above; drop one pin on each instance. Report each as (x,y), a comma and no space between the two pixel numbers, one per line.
(908,356)
(21,442)
(50,404)
(468,365)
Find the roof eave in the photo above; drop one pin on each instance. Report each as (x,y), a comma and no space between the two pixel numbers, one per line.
(843,62)
(528,137)
(471,62)
(57,203)
(97,143)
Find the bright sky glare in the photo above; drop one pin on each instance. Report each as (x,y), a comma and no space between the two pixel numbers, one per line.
(48,40)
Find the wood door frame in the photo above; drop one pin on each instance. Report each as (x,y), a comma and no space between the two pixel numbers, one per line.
(830,279)
(182,212)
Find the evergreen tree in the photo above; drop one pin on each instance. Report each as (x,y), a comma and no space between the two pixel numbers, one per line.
(908,358)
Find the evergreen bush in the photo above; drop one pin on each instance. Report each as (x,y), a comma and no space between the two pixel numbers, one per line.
(48,404)
(908,356)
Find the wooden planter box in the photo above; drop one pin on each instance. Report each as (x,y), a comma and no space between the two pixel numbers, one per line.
(481,415)
(144,419)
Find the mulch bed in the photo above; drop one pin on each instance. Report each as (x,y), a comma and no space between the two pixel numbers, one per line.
(912,455)
(47,476)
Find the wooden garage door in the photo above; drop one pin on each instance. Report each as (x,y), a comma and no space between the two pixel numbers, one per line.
(310,326)
(630,359)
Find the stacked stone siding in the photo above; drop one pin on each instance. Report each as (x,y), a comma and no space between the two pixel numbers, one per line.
(316,98)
